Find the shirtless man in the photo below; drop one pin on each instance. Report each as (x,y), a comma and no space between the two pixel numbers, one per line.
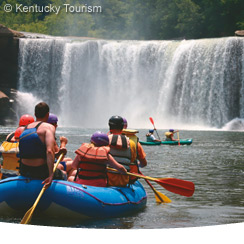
(37,148)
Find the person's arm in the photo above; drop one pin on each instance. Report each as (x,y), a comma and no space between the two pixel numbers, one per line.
(75,162)
(50,151)
(62,149)
(141,156)
(154,138)
(172,136)
(63,141)
(114,164)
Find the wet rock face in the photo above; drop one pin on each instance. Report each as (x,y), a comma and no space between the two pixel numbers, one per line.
(6,32)
(9,47)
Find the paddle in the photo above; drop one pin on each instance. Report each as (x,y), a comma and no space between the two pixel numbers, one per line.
(160,197)
(27,218)
(181,187)
(151,119)
(178,138)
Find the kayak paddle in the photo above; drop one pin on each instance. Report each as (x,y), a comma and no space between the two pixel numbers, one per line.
(151,119)
(181,187)
(160,197)
(178,138)
(28,215)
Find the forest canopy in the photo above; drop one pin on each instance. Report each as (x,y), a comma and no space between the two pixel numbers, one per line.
(126,19)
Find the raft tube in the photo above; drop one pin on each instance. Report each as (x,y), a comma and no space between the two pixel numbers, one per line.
(64,199)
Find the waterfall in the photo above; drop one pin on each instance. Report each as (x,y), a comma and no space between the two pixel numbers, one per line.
(190,84)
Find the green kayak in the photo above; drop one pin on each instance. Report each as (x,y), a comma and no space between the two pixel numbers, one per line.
(151,143)
(182,142)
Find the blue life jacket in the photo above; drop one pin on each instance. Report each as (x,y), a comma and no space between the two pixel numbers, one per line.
(30,145)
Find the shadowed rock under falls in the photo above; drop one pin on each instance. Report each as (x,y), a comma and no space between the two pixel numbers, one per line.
(179,83)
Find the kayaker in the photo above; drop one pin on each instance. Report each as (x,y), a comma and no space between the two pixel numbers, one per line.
(125,151)
(91,161)
(150,136)
(10,148)
(170,135)
(66,163)
(37,148)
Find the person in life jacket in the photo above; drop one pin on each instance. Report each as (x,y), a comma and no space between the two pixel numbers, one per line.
(125,151)
(141,155)
(66,163)
(150,137)
(170,135)
(10,149)
(37,148)
(91,161)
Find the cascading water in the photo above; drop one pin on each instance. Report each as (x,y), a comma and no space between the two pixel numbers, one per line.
(183,84)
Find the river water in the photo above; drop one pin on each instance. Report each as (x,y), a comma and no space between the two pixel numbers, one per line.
(214,162)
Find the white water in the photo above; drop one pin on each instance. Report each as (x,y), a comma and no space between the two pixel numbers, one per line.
(195,84)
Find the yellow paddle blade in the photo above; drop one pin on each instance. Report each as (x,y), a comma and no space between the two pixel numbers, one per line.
(27,218)
(162,196)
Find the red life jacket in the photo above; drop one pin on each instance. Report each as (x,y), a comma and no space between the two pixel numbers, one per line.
(93,161)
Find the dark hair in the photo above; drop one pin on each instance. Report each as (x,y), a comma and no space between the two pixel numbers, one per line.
(41,109)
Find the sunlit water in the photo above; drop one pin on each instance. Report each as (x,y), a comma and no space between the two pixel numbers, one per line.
(214,162)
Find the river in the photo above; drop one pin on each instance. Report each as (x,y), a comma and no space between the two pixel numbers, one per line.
(214,162)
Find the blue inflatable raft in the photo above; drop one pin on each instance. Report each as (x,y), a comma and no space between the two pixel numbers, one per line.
(70,200)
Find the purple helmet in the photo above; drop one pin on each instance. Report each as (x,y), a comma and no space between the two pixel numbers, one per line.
(100,139)
(52,119)
(171,130)
(125,123)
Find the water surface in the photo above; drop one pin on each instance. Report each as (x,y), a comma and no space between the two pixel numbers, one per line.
(214,162)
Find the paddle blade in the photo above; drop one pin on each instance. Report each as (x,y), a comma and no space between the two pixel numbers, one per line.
(151,119)
(160,197)
(27,218)
(28,215)
(181,187)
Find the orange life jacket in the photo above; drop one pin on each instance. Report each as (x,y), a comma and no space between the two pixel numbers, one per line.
(93,161)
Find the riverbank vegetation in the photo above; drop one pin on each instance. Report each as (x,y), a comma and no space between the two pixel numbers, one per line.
(128,19)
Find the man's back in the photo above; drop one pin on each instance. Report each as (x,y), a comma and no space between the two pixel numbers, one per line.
(46,134)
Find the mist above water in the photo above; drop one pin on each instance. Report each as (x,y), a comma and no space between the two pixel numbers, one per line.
(195,84)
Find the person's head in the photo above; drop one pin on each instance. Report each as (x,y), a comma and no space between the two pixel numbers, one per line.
(100,139)
(151,131)
(171,130)
(42,111)
(25,120)
(125,123)
(116,123)
(53,119)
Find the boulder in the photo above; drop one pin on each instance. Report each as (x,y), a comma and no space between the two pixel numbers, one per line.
(6,32)
(239,33)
